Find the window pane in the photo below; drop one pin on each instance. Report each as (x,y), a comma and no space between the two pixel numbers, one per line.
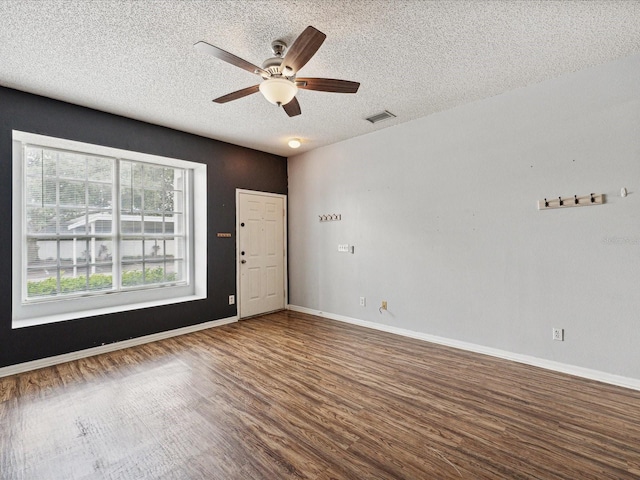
(153,249)
(174,223)
(125,174)
(49,192)
(170,175)
(73,253)
(34,252)
(176,202)
(73,281)
(137,174)
(100,222)
(101,268)
(72,193)
(49,163)
(153,201)
(34,190)
(130,200)
(131,186)
(136,199)
(169,204)
(174,248)
(73,221)
(178,180)
(72,165)
(100,195)
(175,271)
(39,192)
(153,224)
(104,251)
(126,204)
(41,220)
(101,280)
(131,223)
(131,249)
(126,199)
(168,223)
(42,254)
(33,161)
(154,273)
(41,282)
(153,177)
(100,169)
(132,274)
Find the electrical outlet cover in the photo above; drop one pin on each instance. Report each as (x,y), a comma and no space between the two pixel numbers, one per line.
(558,334)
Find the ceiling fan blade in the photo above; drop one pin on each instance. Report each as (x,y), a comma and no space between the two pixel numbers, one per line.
(327,85)
(236,95)
(292,108)
(304,47)
(204,47)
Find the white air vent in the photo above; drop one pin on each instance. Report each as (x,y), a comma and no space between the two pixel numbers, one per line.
(378,117)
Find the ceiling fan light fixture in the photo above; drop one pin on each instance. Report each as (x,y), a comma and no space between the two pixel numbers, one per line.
(294,143)
(278,90)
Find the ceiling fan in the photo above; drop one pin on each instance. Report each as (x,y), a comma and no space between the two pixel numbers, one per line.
(280,83)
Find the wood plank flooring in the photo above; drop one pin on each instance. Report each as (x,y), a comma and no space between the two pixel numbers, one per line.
(289,395)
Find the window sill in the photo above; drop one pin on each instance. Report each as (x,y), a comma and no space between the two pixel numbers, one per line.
(30,322)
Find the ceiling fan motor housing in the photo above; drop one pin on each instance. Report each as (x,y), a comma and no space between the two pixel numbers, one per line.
(272,65)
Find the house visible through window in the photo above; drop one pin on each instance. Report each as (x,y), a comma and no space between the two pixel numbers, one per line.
(96,220)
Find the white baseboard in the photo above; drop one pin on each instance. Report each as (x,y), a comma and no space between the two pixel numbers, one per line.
(111,347)
(597,375)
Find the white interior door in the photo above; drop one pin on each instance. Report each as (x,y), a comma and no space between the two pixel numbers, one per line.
(261,253)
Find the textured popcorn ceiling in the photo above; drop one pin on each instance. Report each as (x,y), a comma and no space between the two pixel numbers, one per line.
(413,58)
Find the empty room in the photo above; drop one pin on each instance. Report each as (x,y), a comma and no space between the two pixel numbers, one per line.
(269,239)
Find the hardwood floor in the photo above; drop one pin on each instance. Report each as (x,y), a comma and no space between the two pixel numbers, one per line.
(289,395)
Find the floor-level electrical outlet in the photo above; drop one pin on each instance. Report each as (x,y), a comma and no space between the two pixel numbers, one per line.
(363,302)
(384,305)
(558,334)
(232,299)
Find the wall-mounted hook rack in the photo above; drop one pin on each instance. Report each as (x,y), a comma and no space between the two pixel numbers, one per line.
(575,201)
(330,217)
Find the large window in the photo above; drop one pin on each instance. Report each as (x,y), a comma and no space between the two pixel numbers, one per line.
(92,221)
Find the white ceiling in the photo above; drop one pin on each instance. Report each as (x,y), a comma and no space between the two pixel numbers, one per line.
(136,57)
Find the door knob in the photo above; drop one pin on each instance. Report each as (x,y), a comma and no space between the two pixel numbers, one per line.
(243,261)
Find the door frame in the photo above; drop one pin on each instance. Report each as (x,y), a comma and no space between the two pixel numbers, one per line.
(285,272)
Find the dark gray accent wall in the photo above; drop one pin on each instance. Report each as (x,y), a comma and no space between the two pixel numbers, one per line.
(228,167)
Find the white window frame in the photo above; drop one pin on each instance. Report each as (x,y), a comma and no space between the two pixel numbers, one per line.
(63,308)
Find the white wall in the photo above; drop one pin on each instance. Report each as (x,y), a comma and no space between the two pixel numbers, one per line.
(442,213)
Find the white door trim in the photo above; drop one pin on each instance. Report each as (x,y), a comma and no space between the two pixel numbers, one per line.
(284,233)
